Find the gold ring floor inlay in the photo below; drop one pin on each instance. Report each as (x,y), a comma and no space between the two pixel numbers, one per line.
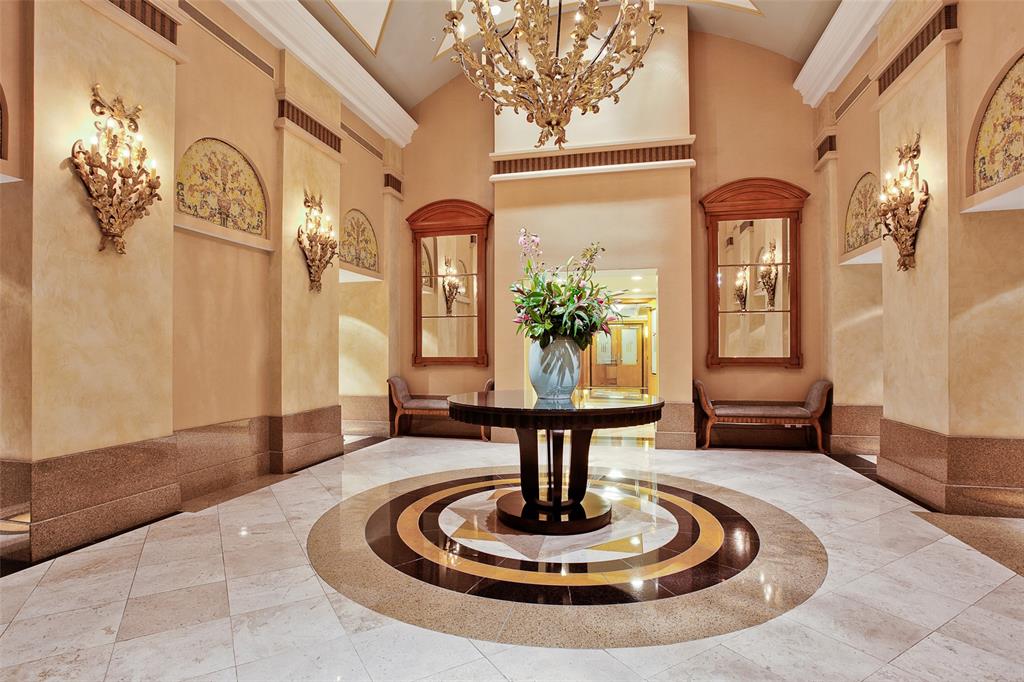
(736,561)
(710,541)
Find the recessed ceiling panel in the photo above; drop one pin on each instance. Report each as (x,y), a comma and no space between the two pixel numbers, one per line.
(366,18)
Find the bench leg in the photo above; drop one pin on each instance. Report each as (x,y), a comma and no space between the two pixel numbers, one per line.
(817,432)
(398,422)
(707,434)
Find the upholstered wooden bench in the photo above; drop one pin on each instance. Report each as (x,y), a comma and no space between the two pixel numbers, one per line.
(407,404)
(808,414)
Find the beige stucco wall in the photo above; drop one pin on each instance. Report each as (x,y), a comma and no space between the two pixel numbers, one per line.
(101,322)
(448,158)
(750,122)
(636,116)
(916,302)
(221,289)
(854,326)
(363,340)
(986,281)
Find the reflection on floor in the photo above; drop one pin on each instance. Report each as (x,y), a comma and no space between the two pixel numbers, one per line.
(229,592)
(627,436)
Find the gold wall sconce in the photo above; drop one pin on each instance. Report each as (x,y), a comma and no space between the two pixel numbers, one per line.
(451,284)
(902,203)
(316,237)
(116,170)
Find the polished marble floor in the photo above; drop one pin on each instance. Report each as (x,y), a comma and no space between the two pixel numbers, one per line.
(228,592)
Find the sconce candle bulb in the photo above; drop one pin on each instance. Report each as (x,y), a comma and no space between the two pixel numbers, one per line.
(114,171)
(316,237)
(902,204)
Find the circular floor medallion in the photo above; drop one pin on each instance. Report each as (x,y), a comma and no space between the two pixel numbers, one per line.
(681,559)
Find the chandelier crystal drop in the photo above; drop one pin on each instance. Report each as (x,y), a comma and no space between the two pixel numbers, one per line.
(537,65)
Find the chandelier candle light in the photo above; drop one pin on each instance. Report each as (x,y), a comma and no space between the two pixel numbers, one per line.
(316,237)
(451,284)
(523,67)
(902,203)
(116,169)
(740,290)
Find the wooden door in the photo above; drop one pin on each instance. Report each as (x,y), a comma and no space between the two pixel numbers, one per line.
(619,359)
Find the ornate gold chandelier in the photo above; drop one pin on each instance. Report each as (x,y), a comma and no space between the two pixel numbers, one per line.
(523,67)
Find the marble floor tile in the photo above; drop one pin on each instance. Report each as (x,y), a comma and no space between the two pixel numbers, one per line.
(183,525)
(16,588)
(939,658)
(84,665)
(225,675)
(1007,599)
(989,631)
(334,659)
(90,564)
(794,651)
(172,610)
(963,574)
(77,593)
(61,633)
(237,537)
(265,556)
(175,575)
(180,548)
(648,661)
(278,629)
(480,670)
(890,673)
(132,537)
(900,532)
(175,654)
(355,617)
(490,648)
(874,632)
(903,599)
(531,663)
(405,652)
(717,664)
(273,589)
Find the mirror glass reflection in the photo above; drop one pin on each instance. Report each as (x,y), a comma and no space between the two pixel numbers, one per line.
(448,296)
(753,279)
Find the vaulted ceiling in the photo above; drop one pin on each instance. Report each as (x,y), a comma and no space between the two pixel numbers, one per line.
(401,44)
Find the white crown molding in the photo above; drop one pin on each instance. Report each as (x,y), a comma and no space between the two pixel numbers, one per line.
(288,25)
(847,36)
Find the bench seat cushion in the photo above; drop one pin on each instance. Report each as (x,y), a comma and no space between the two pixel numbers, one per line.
(426,404)
(769,411)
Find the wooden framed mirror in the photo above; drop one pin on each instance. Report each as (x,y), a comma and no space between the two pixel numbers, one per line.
(753,228)
(450,283)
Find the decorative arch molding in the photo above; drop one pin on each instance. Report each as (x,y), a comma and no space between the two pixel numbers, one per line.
(217,183)
(449,213)
(994,166)
(862,226)
(754,193)
(358,245)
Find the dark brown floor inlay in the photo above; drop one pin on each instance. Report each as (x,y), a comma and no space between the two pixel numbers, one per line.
(622,579)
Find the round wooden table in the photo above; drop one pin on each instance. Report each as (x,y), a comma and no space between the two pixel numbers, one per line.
(553,509)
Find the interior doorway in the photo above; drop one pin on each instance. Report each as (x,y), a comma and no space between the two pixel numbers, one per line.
(623,366)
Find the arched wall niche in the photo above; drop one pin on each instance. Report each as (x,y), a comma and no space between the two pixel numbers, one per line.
(219,184)
(358,245)
(861,227)
(995,154)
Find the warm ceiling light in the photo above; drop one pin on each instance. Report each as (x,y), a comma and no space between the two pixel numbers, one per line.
(563,80)
(637,278)
(637,291)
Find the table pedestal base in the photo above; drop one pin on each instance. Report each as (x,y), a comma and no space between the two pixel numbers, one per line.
(591,513)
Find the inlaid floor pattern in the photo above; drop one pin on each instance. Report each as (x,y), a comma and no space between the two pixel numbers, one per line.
(227,593)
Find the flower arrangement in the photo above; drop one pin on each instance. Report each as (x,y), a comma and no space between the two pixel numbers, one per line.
(563,300)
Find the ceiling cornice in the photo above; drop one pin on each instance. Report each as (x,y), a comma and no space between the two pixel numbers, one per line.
(288,25)
(847,36)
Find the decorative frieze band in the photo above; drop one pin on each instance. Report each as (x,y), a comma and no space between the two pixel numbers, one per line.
(611,157)
(225,37)
(852,97)
(362,142)
(293,113)
(393,182)
(150,17)
(943,20)
(828,144)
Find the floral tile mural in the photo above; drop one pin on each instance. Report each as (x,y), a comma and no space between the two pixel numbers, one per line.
(862,214)
(999,151)
(216,183)
(358,244)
